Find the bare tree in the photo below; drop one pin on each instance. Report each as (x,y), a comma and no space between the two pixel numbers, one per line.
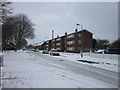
(5,11)
(115,44)
(20,28)
(102,44)
(94,42)
(7,31)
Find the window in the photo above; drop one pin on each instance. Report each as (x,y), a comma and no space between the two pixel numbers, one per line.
(70,48)
(79,48)
(79,35)
(58,44)
(53,45)
(70,42)
(53,40)
(47,42)
(79,42)
(47,45)
(70,36)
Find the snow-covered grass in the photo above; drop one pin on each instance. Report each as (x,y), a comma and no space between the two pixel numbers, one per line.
(109,64)
(105,63)
(22,70)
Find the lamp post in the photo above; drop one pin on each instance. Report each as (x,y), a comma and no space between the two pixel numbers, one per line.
(81,50)
(82,41)
(77,25)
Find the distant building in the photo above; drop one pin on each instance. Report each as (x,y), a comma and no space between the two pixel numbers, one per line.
(73,42)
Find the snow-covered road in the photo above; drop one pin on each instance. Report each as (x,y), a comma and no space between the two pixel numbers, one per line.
(35,70)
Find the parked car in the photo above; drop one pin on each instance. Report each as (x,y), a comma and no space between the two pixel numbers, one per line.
(24,49)
(54,52)
(45,52)
(36,50)
(100,51)
(31,49)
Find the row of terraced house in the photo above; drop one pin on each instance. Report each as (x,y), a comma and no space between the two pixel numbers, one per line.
(73,42)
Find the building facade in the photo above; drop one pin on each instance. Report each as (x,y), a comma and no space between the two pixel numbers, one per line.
(73,42)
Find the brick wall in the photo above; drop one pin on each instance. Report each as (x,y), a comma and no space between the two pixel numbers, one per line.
(87,41)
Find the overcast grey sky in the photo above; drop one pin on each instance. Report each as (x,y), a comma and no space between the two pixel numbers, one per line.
(100,18)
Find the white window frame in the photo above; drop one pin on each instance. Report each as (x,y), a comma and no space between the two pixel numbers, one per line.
(70,42)
(58,44)
(79,41)
(70,48)
(71,36)
(79,34)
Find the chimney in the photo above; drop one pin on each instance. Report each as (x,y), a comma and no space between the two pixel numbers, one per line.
(66,33)
(52,34)
(76,30)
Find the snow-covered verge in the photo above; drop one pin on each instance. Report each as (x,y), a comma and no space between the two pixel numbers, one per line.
(109,64)
(103,56)
(24,71)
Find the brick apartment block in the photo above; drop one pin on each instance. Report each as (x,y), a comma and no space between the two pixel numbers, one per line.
(73,42)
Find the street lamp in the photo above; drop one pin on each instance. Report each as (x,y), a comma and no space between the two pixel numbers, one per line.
(81,50)
(82,41)
(77,25)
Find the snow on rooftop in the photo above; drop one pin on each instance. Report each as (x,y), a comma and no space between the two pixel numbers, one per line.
(38,44)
